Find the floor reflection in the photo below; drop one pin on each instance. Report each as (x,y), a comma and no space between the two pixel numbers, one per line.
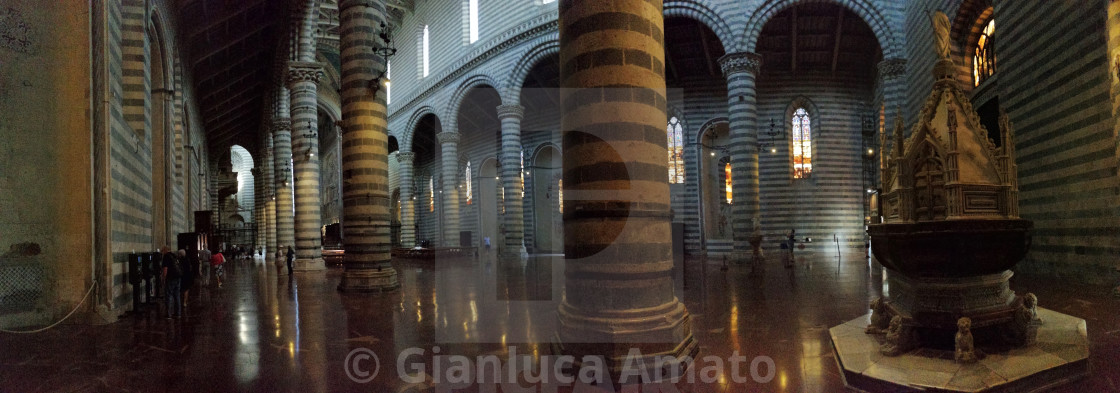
(269,332)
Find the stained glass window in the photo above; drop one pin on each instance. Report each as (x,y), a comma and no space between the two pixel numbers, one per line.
(470,194)
(802,145)
(560,194)
(984,55)
(676,151)
(522,174)
(501,200)
(727,181)
(431,194)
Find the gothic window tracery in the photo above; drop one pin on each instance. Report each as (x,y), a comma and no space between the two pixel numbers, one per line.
(984,55)
(676,151)
(802,144)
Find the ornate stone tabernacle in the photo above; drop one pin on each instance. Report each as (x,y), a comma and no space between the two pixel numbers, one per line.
(950,234)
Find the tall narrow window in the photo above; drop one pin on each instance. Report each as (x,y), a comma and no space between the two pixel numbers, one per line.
(501,198)
(470,194)
(522,174)
(802,145)
(431,194)
(984,55)
(472,11)
(424,52)
(560,194)
(727,181)
(676,151)
(388,82)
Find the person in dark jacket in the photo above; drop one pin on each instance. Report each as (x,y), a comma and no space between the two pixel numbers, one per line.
(291,259)
(170,273)
(189,262)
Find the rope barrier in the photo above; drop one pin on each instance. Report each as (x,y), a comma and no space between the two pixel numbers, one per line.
(94,285)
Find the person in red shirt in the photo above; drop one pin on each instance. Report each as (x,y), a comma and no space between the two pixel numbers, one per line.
(216,262)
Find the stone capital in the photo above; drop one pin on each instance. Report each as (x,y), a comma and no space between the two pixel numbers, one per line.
(304,72)
(405,157)
(747,62)
(892,68)
(447,137)
(281,124)
(511,111)
(344,4)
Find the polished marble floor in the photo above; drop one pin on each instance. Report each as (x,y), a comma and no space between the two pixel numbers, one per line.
(265,333)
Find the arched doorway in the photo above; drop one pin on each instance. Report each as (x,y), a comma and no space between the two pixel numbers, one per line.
(548,223)
(488,193)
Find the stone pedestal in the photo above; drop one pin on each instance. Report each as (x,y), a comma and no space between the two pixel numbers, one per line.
(1060,355)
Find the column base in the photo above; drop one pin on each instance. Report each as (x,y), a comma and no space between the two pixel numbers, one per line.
(657,342)
(309,265)
(369,281)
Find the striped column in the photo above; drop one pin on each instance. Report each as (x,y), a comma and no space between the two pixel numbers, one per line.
(618,293)
(270,197)
(303,80)
(449,144)
(510,116)
(282,148)
(365,151)
(741,71)
(892,84)
(408,202)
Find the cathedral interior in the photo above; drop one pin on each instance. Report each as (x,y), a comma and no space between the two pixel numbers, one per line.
(560,195)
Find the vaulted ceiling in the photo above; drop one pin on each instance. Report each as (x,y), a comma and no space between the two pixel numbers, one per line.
(818,37)
(232,50)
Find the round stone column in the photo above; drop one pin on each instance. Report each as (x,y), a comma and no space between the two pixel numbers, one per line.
(270,197)
(408,204)
(365,151)
(514,220)
(449,145)
(741,71)
(618,286)
(282,149)
(303,80)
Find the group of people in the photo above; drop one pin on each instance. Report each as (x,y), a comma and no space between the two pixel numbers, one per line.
(180,270)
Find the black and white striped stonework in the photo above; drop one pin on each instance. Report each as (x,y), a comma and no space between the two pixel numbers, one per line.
(269,172)
(618,247)
(408,205)
(365,142)
(449,149)
(741,70)
(282,148)
(303,80)
(514,218)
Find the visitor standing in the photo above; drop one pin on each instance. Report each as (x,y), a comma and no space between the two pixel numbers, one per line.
(789,245)
(291,258)
(189,263)
(170,274)
(217,261)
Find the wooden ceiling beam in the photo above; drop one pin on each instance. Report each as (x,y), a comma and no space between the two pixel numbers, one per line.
(793,41)
(245,7)
(239,40)
(707,51)
(839,33)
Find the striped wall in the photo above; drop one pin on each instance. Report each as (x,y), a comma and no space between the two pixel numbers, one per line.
(830,202)
(130,124)
(1055,85)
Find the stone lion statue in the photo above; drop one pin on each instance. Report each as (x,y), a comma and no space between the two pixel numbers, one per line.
(966,352)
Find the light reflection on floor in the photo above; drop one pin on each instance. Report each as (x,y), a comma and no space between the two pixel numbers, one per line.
(264,332)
